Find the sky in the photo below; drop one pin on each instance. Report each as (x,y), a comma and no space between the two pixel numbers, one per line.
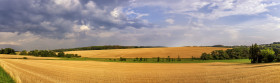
(53,24)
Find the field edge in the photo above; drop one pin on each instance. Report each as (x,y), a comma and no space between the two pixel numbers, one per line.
(5,77)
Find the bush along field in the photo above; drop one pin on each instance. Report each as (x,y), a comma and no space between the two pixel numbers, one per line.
(48,53)
(4,77)
(256,54)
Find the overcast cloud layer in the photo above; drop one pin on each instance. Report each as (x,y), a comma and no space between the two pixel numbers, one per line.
(52,24)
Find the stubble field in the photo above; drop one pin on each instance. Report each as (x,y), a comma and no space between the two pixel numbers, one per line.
(57,71)
(173,52)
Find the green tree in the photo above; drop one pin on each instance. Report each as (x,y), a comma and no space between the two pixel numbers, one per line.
(255,54)
(204,56)
(168,58)
(61,54)
(268,55)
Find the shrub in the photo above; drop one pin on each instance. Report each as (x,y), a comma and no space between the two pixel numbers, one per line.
(178,59)
(136,59)
(24,57)
(122,59)
(168,58)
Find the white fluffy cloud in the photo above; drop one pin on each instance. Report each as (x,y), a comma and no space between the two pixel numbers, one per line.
(84,28)
(170,21)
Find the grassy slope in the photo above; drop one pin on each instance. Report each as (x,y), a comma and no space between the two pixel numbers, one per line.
(4,77)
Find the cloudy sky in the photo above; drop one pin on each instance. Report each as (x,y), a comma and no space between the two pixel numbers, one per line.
(51,24)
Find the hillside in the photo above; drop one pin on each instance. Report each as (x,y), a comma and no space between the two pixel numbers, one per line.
(173,52)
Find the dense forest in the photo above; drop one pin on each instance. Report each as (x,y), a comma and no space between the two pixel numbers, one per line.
(103,48)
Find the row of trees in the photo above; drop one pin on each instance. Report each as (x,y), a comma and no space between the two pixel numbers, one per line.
(103,47)
(155,59)
(256,53)
(234,53)
(7,51)
(158,59)
(47,53)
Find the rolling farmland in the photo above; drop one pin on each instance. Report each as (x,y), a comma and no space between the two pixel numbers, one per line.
(57,71)
(139,41)
(173,52)
(48,70)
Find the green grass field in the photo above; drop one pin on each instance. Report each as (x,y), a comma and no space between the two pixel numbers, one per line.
(154,60)
(4,77)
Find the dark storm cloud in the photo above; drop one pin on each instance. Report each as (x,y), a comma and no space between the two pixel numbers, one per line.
(53,18)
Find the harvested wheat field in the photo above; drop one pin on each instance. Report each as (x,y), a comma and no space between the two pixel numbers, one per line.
(173,52)
(5,56)
(58,71)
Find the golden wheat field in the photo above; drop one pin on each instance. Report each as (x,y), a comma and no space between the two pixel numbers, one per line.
(41,70)
(58,71)
(5,56)
(173,52)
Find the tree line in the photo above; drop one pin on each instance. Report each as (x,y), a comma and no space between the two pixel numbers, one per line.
(155,59)
(47,53)
(7,51)
(103,47)
(241,52)
(256,53)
